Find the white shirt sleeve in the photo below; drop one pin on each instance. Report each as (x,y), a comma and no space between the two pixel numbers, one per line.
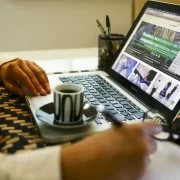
(41,164)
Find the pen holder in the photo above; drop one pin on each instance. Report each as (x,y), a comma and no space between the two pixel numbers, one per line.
(107,47)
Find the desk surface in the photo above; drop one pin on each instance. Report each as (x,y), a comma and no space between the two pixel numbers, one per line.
(165,162)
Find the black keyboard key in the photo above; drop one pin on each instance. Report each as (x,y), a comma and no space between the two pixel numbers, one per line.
(132,110)
(92,75)
(109,90)
(119,99)
(64,79)
(136,107)
(91,82)
(85,77)
(89,96)
(87,93)
(81,80)
(89,88)
(141,111)
(84,83)
(99,97)
(124,103)
(109,107)
(110,99)
(78,77)
(103,93)
(113,102)
(100,91)
(92,91)
(116,96)
(104,87)
(113,111)
(112,93)
(93,100)
(106,104)
(102,100)
(95,94)
(106,95)
(124,97)
(95,103)
(132,104)
(127,106)
(96,87)
(129,117)
(128,100)
(117,106)
(121,109)
(125,113)
(72,79)
(138,115)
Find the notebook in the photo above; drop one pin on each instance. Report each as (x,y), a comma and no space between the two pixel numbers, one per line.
(143,76)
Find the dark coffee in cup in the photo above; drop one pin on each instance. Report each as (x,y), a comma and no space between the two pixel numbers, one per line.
(68,91)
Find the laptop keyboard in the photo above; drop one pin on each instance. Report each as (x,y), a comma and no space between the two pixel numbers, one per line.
(98,91)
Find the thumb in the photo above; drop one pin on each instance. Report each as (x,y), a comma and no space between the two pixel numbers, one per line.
(14,88)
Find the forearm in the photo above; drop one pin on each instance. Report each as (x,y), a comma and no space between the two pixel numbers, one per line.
(4,58)
(38,164)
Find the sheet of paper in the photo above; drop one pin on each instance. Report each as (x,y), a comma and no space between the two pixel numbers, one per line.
(165,163)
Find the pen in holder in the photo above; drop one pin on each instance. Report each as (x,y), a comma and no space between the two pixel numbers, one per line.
(108,47)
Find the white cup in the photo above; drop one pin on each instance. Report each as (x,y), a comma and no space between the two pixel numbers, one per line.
(68,103)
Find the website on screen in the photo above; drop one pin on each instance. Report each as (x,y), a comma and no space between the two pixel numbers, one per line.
(151,57)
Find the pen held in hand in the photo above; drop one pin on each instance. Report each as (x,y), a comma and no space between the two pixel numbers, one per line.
(115,118)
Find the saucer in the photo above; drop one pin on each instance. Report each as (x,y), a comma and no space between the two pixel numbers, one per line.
(46,114)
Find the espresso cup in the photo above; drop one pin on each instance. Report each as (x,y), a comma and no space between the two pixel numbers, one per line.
(68,103)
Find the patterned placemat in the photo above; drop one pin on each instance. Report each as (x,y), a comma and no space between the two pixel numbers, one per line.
(18,132)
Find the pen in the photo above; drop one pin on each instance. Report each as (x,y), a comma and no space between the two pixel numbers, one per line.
(108,25)
(115,118)
(103,32)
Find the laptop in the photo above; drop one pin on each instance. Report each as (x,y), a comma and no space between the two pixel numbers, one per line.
(143,76)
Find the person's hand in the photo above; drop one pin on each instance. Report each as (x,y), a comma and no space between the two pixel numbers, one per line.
(120,153)
(21,73)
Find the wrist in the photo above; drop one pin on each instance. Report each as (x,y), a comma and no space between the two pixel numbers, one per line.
(2,66)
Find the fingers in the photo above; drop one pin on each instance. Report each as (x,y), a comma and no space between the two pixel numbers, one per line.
(40,75)
(30,72)
(146,129)
(14,88)
(151,145)
(144,133)
(30,76)
(45,75)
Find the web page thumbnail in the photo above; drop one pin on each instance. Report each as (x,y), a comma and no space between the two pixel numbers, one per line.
(142,76)
(124,66)
(166,91)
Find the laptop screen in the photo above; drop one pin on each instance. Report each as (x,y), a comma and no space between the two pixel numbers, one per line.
(151,57)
